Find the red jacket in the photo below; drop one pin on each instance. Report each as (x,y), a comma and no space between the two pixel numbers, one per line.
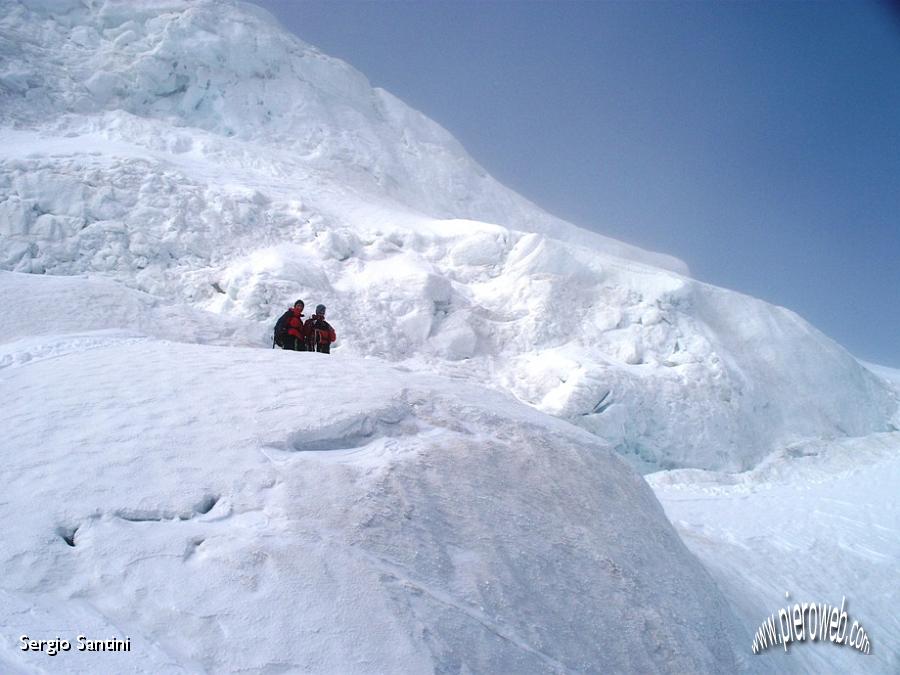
(291,323)
(295,325)
(318,331)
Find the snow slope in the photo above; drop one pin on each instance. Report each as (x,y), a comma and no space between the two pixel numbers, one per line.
(199,500)
(131,70)
(199,153)
(820,520)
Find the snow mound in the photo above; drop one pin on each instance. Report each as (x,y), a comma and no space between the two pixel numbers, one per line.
(199,501)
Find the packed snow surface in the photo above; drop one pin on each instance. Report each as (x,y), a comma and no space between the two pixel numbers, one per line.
(238,509)
(819,520)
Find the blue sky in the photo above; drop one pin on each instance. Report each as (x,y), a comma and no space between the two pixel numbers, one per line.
(759,142)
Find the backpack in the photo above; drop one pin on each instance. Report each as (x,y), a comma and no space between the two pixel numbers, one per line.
(281,330)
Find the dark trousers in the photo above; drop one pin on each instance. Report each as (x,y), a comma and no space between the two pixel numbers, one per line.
(293,343)
(321,347)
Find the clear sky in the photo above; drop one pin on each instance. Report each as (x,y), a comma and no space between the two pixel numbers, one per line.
(759,142)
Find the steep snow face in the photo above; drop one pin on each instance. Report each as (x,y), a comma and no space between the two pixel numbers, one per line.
(136,145)
(229,69)
(199,500)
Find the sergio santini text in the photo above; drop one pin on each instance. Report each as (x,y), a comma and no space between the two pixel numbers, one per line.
(82,644)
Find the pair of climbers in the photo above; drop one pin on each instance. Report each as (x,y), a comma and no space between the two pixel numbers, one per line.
(313,335)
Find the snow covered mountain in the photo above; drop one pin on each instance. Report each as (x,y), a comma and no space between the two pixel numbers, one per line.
(187,148)
(173,174)
(133,71)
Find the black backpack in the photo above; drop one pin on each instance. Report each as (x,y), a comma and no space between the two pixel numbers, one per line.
(280,330)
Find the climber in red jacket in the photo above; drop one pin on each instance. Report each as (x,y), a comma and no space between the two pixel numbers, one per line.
(290,331)
(319,333)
